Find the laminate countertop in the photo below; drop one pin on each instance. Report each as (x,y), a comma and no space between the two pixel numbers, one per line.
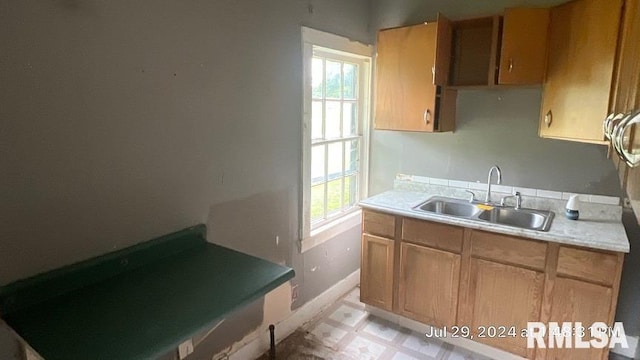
(599,227)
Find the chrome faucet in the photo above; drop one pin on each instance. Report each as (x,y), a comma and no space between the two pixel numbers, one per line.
(497,169)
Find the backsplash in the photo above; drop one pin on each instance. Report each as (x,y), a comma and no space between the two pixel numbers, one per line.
(421,183)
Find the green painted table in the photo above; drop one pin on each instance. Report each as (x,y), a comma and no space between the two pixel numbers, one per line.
(137,303)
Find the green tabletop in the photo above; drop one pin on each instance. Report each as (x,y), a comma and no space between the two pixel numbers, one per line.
(144,312)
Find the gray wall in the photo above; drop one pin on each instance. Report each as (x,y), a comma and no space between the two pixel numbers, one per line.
(494,127)
(121,121)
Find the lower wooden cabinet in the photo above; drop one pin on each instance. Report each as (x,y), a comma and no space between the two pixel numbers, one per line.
(575,300)
(429,280)
(503,298)
(376,271)
(444,275)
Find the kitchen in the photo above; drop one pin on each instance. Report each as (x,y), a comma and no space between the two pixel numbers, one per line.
(124,122)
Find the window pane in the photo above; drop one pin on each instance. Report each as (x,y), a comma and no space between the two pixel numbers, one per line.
(316,120)
(332,120)
(334,195)
(335,160)
(350,71)
(333,80)
(317,202)
(352,155)
(350,188)
(317,164)
(349,119)
(316,77)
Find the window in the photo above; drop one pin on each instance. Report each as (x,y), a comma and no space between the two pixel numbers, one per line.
(335,129)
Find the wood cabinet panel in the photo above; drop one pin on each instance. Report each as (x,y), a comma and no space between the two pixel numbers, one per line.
(404,78)
(579,70)
(587,265)
(444,275)
(524,46)
(508,249)
(439,236)
(376,271)
(472,59)
(575,300)
(428,289)
(411,66)
(376,223)
(626,95)
(504,295)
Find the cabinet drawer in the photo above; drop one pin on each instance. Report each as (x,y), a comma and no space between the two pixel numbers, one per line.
(378,224)
(587,265)
(508,249)
(439,236)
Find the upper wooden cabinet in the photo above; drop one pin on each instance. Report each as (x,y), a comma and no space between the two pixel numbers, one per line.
(474,52)
(412,65)
(626,94)
(524,46)
(581,54)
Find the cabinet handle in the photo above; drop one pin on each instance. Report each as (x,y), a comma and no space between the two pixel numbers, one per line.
(510,65)
(610,123)
(548,118)
(617,139)
(433,74)
(426,116)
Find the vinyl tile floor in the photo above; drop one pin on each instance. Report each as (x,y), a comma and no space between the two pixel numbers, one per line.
(346,331)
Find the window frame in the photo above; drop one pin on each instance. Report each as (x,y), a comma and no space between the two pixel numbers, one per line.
(345,50)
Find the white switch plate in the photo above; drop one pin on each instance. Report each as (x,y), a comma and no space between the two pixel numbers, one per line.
(185,349)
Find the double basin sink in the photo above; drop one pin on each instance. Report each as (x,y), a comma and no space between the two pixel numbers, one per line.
(521,218)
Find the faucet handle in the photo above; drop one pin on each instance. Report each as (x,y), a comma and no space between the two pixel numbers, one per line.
(516,195)
(473,196)
(503,201)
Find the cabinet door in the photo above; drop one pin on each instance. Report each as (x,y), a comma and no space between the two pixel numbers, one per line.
(376,272)
(503,295)
(524,46)
(580,61)
(627,94)
(407,97)
(429,281)
(573,301)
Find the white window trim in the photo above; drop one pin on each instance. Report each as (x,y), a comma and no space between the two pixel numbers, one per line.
(351,218)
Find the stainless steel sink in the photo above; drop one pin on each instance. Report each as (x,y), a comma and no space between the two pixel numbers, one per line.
(449,206)
(522,218)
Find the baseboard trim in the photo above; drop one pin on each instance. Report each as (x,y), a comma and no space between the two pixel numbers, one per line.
(471,345)
(259,344)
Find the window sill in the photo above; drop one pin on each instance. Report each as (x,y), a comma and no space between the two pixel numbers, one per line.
(331,230)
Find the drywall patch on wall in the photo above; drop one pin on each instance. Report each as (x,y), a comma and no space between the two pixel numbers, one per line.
(232,330)
(259,225)
(326,264)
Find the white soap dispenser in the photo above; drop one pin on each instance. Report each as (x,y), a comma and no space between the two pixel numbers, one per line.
(571,211)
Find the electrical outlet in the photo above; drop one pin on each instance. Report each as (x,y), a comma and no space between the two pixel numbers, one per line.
(185,349)
(294,293)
